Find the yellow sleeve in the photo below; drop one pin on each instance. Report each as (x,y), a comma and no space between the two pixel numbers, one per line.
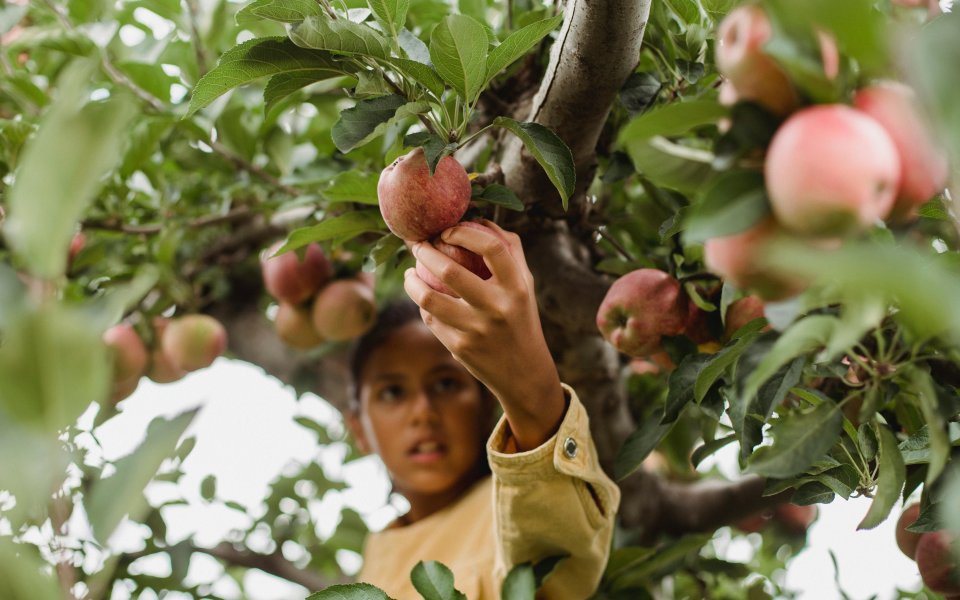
(554,500)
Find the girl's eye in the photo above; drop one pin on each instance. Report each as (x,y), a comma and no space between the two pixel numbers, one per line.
(390,393)
(446,385)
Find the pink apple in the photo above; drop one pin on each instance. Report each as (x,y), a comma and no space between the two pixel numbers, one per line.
(923,162)
(129,352)
(639,309)
(937,563)
(290,279)
(416,205)
(470,260)
(162,369)
(295,327)
(343,310)
(831,170)
(194,341)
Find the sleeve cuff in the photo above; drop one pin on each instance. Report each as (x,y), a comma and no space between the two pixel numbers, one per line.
(567,452)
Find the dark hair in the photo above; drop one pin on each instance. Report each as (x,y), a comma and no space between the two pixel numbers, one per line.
(394,315)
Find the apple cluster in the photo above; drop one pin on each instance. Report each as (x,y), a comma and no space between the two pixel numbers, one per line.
(831,170)
(313,306)
(180,345)
(932,552)
(644,306)
(418,206)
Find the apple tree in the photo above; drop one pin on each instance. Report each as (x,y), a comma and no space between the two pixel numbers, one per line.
(738,216)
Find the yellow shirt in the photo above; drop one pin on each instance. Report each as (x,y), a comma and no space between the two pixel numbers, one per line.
(552,500)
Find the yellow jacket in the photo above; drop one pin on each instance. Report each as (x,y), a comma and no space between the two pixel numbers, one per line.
(552,500)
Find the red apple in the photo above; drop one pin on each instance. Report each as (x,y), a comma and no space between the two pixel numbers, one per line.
(123,389)
(129,353)
(194,341)
(77,242)
(343,310)
(697,325)
(162,369)
(295,327)
(794,518)
(290,279)
(755,522)
(740,312)
(831,170)
(639,309)
(923,162)
(470,260)
(417,206)
(938,565)
(741,59)
(738,259)
(907,540)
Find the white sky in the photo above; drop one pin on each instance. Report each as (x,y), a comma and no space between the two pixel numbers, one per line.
(246,436)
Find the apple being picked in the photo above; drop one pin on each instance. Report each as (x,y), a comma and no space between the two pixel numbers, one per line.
(417,205)
(470,260)
(193,341)
(639,309)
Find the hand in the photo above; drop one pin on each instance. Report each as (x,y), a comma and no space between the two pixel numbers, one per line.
(493,329)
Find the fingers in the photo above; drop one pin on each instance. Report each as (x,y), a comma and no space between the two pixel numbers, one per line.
(500,249)
(445,308)
(461,280)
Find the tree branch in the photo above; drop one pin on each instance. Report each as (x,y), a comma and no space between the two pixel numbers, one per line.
(274,564)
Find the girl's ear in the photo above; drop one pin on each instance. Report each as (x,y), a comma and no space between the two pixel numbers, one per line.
(356,430)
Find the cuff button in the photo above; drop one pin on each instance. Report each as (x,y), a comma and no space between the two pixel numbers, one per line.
(570,447)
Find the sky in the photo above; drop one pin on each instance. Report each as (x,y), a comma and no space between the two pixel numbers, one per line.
(246,436)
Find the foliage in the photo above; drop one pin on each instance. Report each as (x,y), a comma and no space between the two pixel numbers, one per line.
(182,138)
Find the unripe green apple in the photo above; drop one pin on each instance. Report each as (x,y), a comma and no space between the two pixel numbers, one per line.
(639,309)
(741,59)
(907,540)
(831,170)
(923,162)
(194,341)
(289,279)
(129,352)
(469,260)
(295,327)
(416,205)
(738,258)
(343,310)
(938,565)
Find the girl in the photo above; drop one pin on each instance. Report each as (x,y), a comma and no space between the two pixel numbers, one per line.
(425,390)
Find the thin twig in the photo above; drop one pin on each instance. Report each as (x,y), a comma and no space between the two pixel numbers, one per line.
(602,230)
(237,214)
(198,49)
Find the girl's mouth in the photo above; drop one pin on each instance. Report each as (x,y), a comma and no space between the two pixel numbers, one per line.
(428,452)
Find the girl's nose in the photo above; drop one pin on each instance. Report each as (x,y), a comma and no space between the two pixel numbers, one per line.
(424,406)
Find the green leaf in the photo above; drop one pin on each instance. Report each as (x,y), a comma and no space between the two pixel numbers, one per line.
(353,186)
(256,58)
(500,195)
(122,493)
(208,488)
(519,584)
(517,44)
(282,85)
(284,11)
(892,475)
(671,165)
(434,581)
(719,362)
(545,567)
(340,36)
(732,203)
(802,337)
(681,385)
(352,591)
(674,119)
(640,443)
(922,386)
(709,448)
(384,249)
(44,209)
(458,49)
(23,576)
(937,48)
(798,441)
(342,227)
(369,118)
(392,13)
(548,150)
(423,74)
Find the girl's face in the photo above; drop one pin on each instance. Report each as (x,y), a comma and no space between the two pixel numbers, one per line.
(424,414)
